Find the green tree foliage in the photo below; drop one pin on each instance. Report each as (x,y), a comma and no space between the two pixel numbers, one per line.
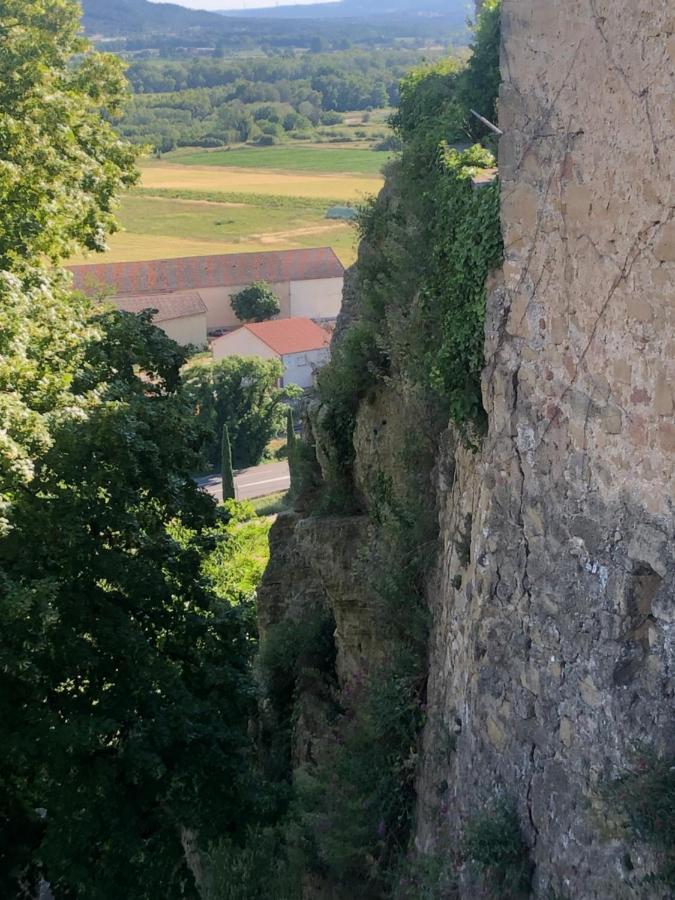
(432,241)
(256,303)
(481,80)
(212,102)
(63,165)
(227,474)
(243,394)
(115,654)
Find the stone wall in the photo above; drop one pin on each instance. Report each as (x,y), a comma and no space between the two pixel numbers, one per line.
(552,645)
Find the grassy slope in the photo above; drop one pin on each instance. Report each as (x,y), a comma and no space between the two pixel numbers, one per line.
(198,210)
(158,227)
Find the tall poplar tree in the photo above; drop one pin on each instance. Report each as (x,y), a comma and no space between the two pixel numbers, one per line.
(227,474)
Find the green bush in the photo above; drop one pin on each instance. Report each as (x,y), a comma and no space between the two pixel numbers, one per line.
(356,365)
(290,647)
(494,842)
(425,877)
(258,869)
(646,799)
(357,799)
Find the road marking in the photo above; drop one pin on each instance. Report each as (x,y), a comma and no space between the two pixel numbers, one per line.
(250,484)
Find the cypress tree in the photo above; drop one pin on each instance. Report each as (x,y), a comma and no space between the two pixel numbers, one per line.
(290,444)
(290,431)
(226,467)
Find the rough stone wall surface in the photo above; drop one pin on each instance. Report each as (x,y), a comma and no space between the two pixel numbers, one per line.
(315,565)
(552,643)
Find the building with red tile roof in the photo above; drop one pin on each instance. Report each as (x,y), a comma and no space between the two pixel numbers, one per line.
(300,344)
(307,282)
(193,273)
(289,335)
(169,306)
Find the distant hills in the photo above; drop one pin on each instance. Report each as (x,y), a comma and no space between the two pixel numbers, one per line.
(359,21)
(117,17)
(456,9)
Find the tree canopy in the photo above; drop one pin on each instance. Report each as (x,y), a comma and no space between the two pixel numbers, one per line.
(256,303)
(124,681)
(243,394)
(62,163)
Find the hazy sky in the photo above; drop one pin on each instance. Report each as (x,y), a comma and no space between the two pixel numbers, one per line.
(238,4)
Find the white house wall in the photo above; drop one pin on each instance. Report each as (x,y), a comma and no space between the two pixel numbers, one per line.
(186,330)
(241,343)
(320,298)
(219,310)
(299,367)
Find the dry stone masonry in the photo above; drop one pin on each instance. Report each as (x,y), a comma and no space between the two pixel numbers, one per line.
(553,601)
(552,650)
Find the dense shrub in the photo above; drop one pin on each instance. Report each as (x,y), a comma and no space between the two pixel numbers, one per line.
(257,302)
(356,364)
(493,841)
(645,797)
(258,868)
(290,647)
(357,800)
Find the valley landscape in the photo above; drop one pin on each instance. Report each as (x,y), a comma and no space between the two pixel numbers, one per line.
(270,136)
(337,442)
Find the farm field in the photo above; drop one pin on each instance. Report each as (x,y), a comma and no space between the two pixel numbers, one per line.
(196,210)
(160,227)
(329,186)
(293,158)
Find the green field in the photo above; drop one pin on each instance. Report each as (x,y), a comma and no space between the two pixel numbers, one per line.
(292,158)
(157,226)
(190,204)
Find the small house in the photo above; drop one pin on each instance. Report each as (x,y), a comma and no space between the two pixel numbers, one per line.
(308,284)
(301,345)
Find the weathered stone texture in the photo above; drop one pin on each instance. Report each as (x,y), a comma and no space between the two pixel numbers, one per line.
(552,645)
(315,565)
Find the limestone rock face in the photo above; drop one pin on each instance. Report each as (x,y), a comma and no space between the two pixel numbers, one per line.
(552,643)
(314,565)
(553,604)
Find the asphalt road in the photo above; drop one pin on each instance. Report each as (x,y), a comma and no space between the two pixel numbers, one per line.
(251,483)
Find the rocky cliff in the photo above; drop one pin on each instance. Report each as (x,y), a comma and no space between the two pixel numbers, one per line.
(552,595)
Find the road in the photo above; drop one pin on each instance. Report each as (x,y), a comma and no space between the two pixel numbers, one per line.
(251,483)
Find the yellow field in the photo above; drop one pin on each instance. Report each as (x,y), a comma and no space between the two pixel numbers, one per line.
(170,176)
(163,227)
(128,247)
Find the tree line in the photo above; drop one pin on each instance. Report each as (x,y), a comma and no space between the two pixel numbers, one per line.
(212,102)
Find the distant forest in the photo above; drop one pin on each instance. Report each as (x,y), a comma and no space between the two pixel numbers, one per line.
(264,100)
(207,80)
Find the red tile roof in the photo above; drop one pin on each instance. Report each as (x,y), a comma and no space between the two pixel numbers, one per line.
(286,336)
(195,272)
(168,306)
